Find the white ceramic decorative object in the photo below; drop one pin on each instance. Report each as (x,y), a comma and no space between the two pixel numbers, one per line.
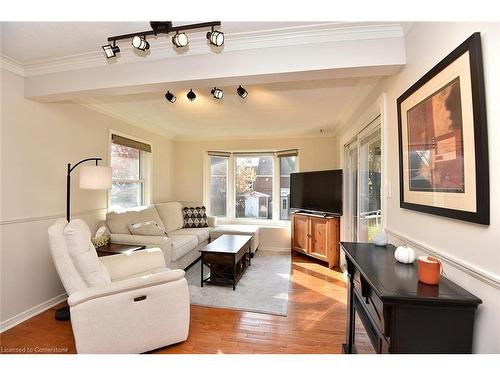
(380,239)
(404,254)
(100,231)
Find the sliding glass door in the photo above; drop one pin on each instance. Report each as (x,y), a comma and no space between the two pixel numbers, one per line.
(370,167)
(363,166)
(351,176)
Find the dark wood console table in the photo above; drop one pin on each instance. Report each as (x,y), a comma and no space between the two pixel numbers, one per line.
(390,311)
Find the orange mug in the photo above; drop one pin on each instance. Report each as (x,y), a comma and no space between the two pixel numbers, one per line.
(429,270)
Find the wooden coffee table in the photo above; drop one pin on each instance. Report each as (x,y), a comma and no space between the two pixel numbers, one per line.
(227,257)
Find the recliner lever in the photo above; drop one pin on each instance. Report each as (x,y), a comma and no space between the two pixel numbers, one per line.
(140,298)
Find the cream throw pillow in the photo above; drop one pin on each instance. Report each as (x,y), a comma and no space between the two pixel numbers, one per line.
(147,228)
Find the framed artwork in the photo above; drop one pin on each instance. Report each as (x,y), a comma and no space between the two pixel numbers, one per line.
(443,141)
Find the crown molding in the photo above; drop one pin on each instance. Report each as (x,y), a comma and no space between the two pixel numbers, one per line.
(12,65)
(163,49)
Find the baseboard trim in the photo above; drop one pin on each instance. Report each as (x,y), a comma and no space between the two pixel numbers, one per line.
(273,248)
(19,318)
(475,272)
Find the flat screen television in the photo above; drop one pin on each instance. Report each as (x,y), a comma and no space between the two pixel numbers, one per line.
(319,191)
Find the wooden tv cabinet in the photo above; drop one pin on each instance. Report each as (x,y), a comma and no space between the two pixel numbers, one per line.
(317,236)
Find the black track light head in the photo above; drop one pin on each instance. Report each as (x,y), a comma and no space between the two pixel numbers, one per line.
(191,95)
(140,43)
(217,93)
(242,92)
(110,51)
(180,40)
(170,97)
(216,37)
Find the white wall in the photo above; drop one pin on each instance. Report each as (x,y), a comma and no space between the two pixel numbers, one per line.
(314,154)
(38,140)
(471,252)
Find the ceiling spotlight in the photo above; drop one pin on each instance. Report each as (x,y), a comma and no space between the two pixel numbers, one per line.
(140,43)
(191,95)
(111,50)
(170,97)
(216,37)
(217,93)
(242,92)
(180,40)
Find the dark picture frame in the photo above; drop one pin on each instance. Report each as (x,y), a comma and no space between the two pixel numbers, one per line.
(443,147)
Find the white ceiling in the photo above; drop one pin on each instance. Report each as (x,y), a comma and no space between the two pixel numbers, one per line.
(284,109)
(272,110)
(29,42)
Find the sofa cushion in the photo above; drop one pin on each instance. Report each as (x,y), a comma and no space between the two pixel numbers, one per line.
(182,244)
(195,217)
(147,228)
(83,254)
(201,233)
(118,222)
(171,215)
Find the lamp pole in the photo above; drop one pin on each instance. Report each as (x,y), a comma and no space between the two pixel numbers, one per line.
(68,183)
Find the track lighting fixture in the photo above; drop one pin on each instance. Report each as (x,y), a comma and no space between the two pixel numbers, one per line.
(140,43)
(215,37)
(217,93)
(180,40)
(191,95)
(111,50)
(242,92)
(170,97)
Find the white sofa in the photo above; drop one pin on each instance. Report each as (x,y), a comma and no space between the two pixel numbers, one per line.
(180,248)
(125,303)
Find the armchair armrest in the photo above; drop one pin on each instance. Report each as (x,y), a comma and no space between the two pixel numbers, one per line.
(212,221)
(124,286)
(123,265)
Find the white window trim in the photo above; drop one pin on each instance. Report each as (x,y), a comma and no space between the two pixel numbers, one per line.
(146,167)
(231,196)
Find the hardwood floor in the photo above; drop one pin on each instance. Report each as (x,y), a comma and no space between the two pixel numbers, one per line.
(316,323)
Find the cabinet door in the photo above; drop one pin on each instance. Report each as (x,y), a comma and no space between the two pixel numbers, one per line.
(300,231)
(319,238)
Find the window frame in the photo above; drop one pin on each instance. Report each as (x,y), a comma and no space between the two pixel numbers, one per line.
(231,189)
(145,169)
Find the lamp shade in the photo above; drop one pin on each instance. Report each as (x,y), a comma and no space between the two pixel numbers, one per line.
(95,177)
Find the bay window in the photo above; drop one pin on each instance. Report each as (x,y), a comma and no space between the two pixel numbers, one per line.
(254,186)
(250,185)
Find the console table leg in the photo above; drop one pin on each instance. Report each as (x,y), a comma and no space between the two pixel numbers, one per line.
(350,313)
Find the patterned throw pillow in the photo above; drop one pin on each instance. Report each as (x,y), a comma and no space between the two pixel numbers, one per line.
(195,217)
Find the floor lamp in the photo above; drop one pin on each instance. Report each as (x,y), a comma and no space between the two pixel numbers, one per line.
(92,177)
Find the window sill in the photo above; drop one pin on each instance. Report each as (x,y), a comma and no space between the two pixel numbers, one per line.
(261,223)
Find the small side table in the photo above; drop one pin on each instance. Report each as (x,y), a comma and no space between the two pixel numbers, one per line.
(117,248)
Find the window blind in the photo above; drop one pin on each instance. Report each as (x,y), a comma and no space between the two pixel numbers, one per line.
(221,154)
(287,153)
(119,140)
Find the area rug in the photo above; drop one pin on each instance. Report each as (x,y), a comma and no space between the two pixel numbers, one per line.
(263,287)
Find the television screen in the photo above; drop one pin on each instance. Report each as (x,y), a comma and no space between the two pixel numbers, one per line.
(319,191)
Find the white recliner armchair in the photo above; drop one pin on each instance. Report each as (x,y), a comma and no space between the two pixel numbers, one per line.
(120,303)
